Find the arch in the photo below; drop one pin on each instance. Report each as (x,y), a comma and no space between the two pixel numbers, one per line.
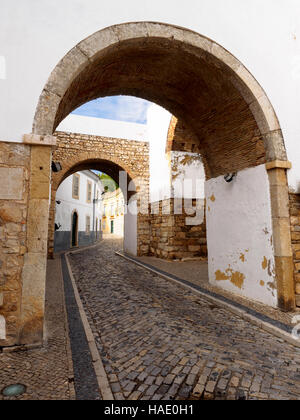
(199,82)
(107,51)
(87,160)
(74,158)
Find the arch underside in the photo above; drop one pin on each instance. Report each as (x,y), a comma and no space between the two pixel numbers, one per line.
(191,86)
(105,166)
(203,86)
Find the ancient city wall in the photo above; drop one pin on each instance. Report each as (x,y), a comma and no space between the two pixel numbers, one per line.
(295,233)
(172,236)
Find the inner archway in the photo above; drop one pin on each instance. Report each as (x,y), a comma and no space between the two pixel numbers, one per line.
(127,166)
(212,93)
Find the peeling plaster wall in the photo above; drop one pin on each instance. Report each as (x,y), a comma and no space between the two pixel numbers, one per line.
(187,175)
(239,235)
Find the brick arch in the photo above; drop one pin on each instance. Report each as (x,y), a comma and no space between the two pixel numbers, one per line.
(111,51)
(77,152)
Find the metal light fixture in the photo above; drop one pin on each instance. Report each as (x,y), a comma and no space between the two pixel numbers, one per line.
(57,226)
(230,177)
(56,167)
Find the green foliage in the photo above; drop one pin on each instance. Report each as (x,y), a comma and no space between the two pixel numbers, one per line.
(108,183)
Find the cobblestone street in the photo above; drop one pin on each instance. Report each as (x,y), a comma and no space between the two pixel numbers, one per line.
(159,340)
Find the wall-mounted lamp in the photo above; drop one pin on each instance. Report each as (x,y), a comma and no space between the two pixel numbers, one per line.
(230,177)
(58,202)
(56,167)
(57,226)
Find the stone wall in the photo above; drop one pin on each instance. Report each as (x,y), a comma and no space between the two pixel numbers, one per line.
(171,237)
(14,189)
(295,232)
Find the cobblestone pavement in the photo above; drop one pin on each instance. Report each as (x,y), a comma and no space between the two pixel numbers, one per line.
(159,340)
(45,372)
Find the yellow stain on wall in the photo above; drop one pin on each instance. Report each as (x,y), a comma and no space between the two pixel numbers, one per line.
(212,198)
(235,277)
(242,257)
(264,264)
(262,283)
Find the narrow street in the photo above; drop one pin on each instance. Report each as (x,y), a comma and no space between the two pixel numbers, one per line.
(158,340)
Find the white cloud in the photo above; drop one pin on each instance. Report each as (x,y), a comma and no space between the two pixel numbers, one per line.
(122,108)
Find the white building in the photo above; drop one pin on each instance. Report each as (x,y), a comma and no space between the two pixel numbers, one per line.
(78,211)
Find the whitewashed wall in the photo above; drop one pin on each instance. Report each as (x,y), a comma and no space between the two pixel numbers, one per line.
(239,235)
(130,230)
(158,122)
(263,35)
(68,204)
(187,175)
(103,127)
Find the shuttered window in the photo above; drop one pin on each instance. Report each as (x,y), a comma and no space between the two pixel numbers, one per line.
(89,192)
(88,224)
(75,186)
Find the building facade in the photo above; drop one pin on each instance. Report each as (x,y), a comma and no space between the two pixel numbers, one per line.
(78,211)
(113,213)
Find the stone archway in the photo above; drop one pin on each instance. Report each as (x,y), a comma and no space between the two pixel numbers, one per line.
(200,83)
(77,152)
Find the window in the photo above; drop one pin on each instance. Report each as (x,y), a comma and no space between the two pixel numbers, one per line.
(75,186)
(88,224)
(89,192)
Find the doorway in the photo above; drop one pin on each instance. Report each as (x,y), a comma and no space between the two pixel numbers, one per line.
(74,229)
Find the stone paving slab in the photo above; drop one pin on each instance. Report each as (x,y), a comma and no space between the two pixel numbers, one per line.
(158,340)
(46,372)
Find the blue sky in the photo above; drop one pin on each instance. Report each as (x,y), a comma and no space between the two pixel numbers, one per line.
(120,108)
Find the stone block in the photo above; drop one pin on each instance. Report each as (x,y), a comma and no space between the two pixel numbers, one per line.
(37,140)
(282,237)
(274,146)
(277,176)
(285,283)
(13,187)
(131,31)
(46,113)
(279,201)
(226,58)
(33,298)
(98,41)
